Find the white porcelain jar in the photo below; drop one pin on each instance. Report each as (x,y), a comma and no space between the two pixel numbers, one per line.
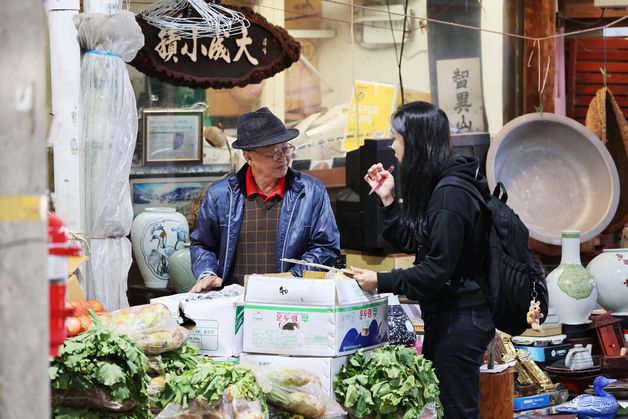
(610,270)
(156,233)
(572,289)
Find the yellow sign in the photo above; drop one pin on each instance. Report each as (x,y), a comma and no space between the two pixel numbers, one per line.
(369,114)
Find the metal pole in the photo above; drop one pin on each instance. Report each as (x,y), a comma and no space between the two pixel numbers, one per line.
(24,384)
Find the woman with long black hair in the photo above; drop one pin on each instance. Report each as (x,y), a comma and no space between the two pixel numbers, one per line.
(447,229)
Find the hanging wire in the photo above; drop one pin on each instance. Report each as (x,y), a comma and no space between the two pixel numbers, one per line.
(459,25)
(539,87)
(195,18)
(604,71)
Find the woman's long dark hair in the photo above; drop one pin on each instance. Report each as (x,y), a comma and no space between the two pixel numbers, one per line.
(425,131)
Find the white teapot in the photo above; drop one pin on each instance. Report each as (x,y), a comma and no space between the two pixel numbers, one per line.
(579,357)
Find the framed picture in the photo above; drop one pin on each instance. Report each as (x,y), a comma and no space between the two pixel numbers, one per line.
(174,192)
(172,136)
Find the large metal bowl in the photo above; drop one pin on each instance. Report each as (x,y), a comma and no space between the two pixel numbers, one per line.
(558,175)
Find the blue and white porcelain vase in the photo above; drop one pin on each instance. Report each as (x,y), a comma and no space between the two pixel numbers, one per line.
(156,234)
(572,289)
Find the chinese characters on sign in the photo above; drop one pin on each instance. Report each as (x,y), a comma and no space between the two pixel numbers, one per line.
(260,51)
(460,94)
(169,42)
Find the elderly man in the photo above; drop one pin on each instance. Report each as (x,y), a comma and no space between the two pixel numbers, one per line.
(251,220)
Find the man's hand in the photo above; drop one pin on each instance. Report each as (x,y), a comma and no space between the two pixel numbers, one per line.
(367,280)
(207,283)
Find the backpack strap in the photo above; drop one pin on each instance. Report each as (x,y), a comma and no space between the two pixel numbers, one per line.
(500,192)
(467,186)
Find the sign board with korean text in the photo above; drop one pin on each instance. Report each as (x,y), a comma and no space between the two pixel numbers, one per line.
(258,52)
(460,94)
(369,114)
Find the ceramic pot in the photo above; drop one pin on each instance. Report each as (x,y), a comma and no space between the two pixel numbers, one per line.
(182,278)
(156,234)
(579,357)
(610,270)
(572,289)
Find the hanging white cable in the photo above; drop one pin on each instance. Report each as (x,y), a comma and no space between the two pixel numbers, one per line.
(195,18)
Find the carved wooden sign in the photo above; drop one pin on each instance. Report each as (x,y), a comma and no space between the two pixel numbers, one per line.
(259,52)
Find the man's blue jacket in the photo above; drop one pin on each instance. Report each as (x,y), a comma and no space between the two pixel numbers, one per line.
(307,227)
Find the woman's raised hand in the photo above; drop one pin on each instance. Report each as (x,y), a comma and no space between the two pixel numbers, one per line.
(374,176)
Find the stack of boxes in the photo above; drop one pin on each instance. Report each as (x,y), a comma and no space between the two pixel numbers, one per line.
(546,345)
(278,320)
(310,323)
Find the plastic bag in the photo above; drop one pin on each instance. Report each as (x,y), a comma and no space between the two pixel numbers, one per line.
(225,408)
(151,326)
(108,131)
(295,390)
(156,385)
(400,329)
(93,398)
(156,366)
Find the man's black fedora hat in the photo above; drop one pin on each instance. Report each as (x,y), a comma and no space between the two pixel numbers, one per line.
(261,129)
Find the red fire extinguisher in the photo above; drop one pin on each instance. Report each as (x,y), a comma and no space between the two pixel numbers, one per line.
(59,248)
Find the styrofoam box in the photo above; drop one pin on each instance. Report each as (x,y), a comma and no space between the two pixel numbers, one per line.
(325,368)
(218,331)
(311,317)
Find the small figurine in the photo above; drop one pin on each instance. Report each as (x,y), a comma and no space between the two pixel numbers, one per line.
(534,315)
(602,406)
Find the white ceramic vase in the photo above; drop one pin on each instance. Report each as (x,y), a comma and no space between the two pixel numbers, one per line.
(156,233)
(572,289)
(610,270)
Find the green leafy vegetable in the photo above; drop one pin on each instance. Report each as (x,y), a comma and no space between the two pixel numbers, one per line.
(102,363)
(181,360)
(389,382)
(63,412)
(210,381)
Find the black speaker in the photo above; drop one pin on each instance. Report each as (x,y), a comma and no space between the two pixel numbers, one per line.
(358,214)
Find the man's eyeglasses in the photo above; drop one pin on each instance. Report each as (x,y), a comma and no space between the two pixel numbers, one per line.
(288,151)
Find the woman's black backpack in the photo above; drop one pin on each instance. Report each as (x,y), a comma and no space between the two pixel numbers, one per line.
(515,277)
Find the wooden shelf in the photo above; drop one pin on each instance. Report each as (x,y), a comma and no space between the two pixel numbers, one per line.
(331,178)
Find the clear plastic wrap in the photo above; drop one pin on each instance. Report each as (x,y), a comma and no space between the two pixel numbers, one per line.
(151,326)
(156,366)
(156,385)
(225,408)
(96,398)
(295,390)
(108,127)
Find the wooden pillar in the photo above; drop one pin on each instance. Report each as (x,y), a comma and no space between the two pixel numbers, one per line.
(513,58)
(497,394)
(539,21)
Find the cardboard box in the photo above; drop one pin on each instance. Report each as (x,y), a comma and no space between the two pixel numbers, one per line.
(547,329)
(311,317)
(379,263)
(218,330)
(325,368)
(547,353)
(531,402)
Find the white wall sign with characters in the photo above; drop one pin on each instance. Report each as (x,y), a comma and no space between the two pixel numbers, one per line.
(460,93)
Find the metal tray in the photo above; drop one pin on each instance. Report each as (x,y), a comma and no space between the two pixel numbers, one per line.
(558,174)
